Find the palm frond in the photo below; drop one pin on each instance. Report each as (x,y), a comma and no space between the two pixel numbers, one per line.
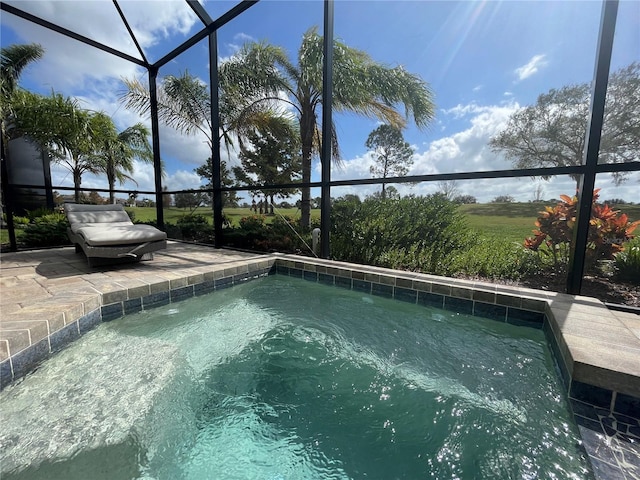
(13,60)
(187,111)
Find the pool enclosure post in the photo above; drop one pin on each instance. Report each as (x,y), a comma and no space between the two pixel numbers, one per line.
(155,143)
(216,181)
(579,242)
(327,129)
(7,195)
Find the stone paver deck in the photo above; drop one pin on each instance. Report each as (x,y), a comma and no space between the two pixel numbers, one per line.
(51,295)
(42,291)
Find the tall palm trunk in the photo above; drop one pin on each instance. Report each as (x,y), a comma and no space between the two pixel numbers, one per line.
(111,178)
(112,186)
(77,181)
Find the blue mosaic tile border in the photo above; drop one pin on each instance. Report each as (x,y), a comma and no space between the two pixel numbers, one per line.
(117,310)
(437,297)
(612,440)
(28,360)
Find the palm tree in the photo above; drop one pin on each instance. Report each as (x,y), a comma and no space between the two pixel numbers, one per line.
(133,143)
(13,60)
(115,152)
(184,103)
(263,74)
(58,124)
(257,81)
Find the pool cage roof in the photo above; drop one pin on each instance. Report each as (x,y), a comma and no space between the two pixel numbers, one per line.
(210,25)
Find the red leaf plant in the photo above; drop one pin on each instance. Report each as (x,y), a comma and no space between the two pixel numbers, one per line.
(608,231)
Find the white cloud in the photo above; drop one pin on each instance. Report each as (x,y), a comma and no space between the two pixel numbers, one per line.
(151,22)
(468,149)
(69,64)
(182,180)
(531,67)
(243,37)
(460,111)
(239,39)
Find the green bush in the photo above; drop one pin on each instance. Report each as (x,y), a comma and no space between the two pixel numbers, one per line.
(412,233)
(495,259)
(627,262)
(252,224)
(286,235)
(20,222)
(195,227)
(37,213)
(46,231)
(281,235)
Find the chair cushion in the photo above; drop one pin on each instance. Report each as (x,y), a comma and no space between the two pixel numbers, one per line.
(96,214)
(110,235)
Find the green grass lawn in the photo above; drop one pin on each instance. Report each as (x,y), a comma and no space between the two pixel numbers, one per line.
(4,236)
(172,214)
(515,221)
(511,221)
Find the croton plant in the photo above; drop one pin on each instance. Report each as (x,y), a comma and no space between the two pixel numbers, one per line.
(608,231)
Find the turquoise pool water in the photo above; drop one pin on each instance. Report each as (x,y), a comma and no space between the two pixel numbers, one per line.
(285,379)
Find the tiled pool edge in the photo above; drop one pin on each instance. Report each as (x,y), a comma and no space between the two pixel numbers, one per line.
(610,437)
(610,434)
(586,377)
(116,303)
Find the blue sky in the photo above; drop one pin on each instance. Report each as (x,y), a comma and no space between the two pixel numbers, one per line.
(482,59)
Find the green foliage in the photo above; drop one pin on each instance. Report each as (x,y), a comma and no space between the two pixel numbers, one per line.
(46,231)
(271,156)
(608,231)
(19,222)
(495,258)
(190,200)
(413,233)
(281,235)
(252,224)
(426,234)
(259,72)
(13,60)
(550,133)
(392,154)
(503,199)
(627,262)
(195,227)
(37,213)
(205,171)
(464,199)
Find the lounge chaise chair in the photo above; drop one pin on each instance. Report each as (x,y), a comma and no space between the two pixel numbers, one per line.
(106,232)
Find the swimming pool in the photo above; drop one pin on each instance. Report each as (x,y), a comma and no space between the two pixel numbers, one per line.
(285,379)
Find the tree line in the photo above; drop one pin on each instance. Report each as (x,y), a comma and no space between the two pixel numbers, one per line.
(81,140)
(269,111)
